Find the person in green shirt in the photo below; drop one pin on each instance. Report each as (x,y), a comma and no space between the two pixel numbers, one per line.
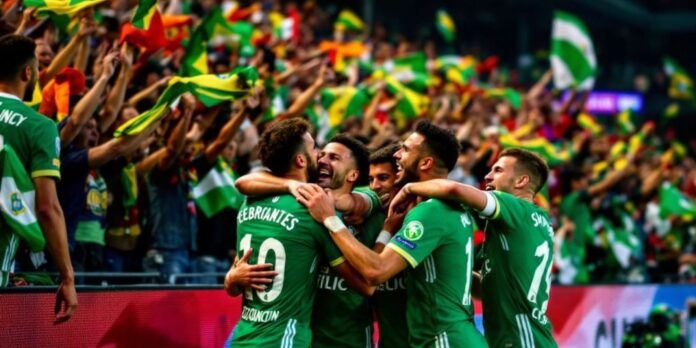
(35,139)
(277,232)
(389,300)
(517,254)
(436,241)
(342,316)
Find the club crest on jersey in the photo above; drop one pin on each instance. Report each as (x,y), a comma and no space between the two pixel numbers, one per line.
(16,204)
(413,231)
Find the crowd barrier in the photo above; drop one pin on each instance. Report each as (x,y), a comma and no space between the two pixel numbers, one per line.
(187,316)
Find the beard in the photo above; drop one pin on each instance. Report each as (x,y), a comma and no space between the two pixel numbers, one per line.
(312,169)
(408,174)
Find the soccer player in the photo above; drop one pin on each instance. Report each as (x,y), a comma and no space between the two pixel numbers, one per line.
(389,300)
(342,316)
(435,240)
(283,235)
(518,251)
(35,139)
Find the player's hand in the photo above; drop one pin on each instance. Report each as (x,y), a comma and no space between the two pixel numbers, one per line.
(394,221)
(401,201)
(294,188)
(244,275)
(353,219)
(320,203)
(66,302)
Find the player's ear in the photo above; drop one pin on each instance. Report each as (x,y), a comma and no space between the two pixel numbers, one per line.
(522,181)
(353,176)
(427,163)
(300,160)
(25,74)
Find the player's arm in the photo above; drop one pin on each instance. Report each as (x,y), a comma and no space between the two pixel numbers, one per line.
(444,189)
(243,275)
(355,280)
(355,203)
(476,285)
(375,268)
(50,217)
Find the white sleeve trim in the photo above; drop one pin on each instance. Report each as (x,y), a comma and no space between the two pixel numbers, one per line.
(491,203)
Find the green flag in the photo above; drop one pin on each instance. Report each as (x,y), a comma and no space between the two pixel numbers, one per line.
(61,7)
(572,53)
(17,199)
(143,13)
(445,25)
(681,86)
(216,190)
(343,102)
(209,89)
(675,203)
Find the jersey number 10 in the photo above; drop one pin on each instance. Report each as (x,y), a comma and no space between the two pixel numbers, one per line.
(267,245)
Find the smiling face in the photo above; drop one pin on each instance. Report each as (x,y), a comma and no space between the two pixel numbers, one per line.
(407,159)
(382,180)
(336,166)
(502,176)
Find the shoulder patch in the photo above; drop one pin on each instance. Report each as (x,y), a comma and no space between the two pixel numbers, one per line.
(414,231)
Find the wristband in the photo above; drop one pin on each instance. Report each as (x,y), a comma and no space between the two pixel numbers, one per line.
(334,224)
(383,237)
(489,209)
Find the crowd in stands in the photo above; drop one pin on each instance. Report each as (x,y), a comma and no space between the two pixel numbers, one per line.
(621,190)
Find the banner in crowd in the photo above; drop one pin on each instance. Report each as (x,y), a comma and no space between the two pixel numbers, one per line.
(583,316)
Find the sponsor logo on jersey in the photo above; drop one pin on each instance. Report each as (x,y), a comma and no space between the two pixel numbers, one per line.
(405,242)
(16,204)
(413,231)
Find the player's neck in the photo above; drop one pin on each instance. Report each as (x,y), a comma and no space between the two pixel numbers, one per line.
(344,189)
(296,174)
(526,195)
(11,88)
(425,176)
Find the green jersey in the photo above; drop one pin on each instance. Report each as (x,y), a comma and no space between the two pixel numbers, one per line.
(437,241)
(342,316)
(282,232)
(33,136)
(516,274)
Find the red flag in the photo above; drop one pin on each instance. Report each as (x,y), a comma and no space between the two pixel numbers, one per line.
(151,39)
(56,94)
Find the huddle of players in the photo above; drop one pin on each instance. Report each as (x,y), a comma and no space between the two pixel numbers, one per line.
(315,260)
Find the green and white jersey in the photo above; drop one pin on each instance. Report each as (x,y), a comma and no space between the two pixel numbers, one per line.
(437,241)
(282,232)
(389,302)
(33,137)
(516,274)
(342,316)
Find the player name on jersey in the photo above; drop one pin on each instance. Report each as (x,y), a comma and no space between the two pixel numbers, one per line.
(278,216)
(11,117)
(257,316)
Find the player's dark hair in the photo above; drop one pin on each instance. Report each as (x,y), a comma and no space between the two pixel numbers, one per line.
(281,142)
(18,51)
(360,154)
(441,143)
(532,164)
(385,154)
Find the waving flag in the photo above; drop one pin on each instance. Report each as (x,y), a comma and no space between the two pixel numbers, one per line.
(572,53)
(675,203)
(343,102)
(348,20)
(625,122)
(586,121)
(553,155)
(445,25)
(55,99)
(508,94)
(61,7)
(216,190)
(681,86)
(142,16)
(210,90)
(17,201)
(411,104)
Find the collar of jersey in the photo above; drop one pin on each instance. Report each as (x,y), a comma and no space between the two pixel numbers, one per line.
(9,96)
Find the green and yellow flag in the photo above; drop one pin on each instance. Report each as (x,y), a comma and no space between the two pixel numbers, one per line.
(343,102)
(681,86)
(209,89)
(624,120)
(411,104)
(445,25)
(143,13)
(347,20)
(61,7)
(36,98)
(508,94)
(588,122)
(553,155)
